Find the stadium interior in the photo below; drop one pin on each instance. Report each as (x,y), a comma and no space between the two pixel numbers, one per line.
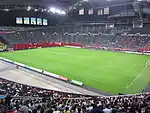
(74,56)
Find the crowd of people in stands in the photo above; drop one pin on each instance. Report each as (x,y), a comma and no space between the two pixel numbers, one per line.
(26,99)
(85,35)
(131,42)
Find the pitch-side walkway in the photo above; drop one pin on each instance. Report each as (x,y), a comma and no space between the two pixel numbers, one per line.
(24,76)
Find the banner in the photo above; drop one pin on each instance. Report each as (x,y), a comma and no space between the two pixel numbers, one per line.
(81,11)
(100,12)
(90,11)
(63,78)
(77,82)
(106,11)
(51,74)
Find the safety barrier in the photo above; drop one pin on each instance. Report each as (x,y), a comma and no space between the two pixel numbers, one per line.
(63,78)
(50,74)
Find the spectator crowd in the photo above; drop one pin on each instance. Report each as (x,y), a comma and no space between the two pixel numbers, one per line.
(85,35)
(26,99)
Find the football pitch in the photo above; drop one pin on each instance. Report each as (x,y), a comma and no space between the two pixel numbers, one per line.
(111,72)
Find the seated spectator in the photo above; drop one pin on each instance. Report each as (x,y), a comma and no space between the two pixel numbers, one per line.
(107,109)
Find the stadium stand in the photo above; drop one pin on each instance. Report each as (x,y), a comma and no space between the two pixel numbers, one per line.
(110,34)
(83,35)
(26,99)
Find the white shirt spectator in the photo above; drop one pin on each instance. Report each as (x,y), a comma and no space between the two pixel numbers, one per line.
(106,110)
(56,111)
(25,109)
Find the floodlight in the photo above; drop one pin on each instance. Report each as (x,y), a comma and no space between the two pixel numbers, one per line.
(35,10)
(6,9)
(53,9)
(58,11)
(29,8)
(63,12)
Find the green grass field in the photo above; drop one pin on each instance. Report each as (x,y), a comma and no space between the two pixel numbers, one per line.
(111,72)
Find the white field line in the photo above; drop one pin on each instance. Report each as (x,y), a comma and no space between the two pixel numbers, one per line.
(137,76)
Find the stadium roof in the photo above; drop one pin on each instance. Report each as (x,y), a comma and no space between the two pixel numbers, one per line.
(64,4)
(97,3)
(48,3)
(60,3)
